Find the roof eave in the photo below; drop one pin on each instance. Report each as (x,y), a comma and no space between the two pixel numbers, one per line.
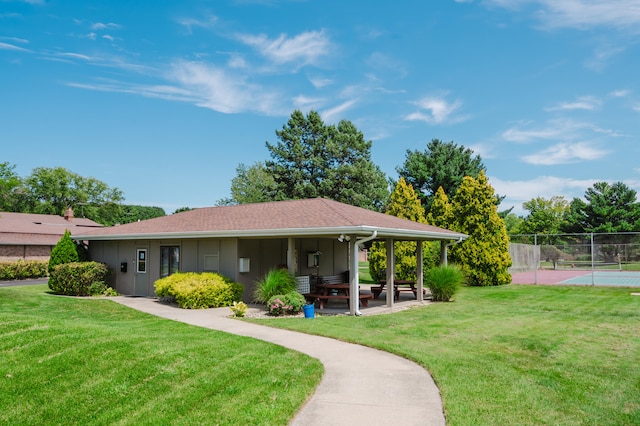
(286,232)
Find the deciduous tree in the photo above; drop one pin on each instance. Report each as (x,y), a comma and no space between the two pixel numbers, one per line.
(546,216)
(52,190)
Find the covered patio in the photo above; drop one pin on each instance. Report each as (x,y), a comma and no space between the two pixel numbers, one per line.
(310,237)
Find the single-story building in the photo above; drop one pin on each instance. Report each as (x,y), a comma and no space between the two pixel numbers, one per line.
(243,242)
(30,236)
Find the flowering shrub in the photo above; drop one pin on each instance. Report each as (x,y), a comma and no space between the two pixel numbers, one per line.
(276,306)
(286,304)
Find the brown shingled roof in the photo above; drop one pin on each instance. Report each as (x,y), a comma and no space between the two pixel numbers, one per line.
(38,229)
(309,217)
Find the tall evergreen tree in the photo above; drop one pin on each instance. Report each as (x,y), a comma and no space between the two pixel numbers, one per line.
(484,255)
(405,204)
(442,164)
(608,208)
(312,159)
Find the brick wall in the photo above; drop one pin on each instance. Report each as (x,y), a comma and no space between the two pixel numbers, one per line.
(11,253)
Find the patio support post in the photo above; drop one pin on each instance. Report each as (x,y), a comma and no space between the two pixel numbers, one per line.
(419,270)
(443,253)
(354,280)
(391,267)
(291,250)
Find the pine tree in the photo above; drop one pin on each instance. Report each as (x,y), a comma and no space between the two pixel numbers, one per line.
(63,252)
(484,255)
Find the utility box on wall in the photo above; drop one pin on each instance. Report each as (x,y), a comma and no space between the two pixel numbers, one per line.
(244,265)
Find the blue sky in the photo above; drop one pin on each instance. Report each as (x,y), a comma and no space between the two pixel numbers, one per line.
(164,99)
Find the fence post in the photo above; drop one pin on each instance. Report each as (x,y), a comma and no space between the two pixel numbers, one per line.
(536,258)
(593,265)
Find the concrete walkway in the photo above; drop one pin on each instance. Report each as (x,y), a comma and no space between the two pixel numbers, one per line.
(360,386)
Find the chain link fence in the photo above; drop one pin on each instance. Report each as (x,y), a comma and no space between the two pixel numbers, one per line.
(599,255)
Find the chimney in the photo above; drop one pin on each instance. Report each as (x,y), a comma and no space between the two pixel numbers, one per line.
(68,214)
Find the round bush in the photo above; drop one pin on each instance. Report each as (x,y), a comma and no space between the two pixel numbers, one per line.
(193,290)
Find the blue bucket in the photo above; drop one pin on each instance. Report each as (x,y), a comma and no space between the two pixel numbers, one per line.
(309,311)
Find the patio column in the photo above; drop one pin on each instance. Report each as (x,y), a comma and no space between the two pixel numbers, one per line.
(443,253)
(419,270)
(291,259)
(391,267)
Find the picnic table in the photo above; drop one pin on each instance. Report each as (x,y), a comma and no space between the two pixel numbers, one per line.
(329,291)
(398,286)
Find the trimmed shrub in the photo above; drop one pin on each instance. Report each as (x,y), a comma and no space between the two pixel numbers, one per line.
(286,304)
(276,282)
(444,282)
(23,269)
(192,290)
(79,278)
(64,252)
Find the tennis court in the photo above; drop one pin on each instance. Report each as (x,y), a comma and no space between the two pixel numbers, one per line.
(563,277)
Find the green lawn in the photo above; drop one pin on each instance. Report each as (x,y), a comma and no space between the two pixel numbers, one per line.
(516,355)
(92,361)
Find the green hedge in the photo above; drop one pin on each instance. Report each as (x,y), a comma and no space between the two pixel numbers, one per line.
(23,269)
(79,278)
(192,290)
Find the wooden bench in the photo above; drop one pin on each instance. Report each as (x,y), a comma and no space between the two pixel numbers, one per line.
(321,299)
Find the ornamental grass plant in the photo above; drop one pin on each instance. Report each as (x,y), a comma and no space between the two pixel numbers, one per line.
(276,281)
(443,281)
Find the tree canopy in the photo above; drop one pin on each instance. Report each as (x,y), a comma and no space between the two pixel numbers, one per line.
(546,216)
(440,165)
(53,190)
(608,208)
(312,159)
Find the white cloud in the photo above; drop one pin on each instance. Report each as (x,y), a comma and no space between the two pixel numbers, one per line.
(581,14)
(305,103)
(7,46)
(588,103)
(334,114)
(563,130)
(102,26)
(209,21)
(320,82)
(636,107)
(218,90)
(565,153)
(305,48)
(436,110)
(517,192)
(620,93)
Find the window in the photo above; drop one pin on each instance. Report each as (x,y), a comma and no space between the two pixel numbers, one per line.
(141,262)
(169,260)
